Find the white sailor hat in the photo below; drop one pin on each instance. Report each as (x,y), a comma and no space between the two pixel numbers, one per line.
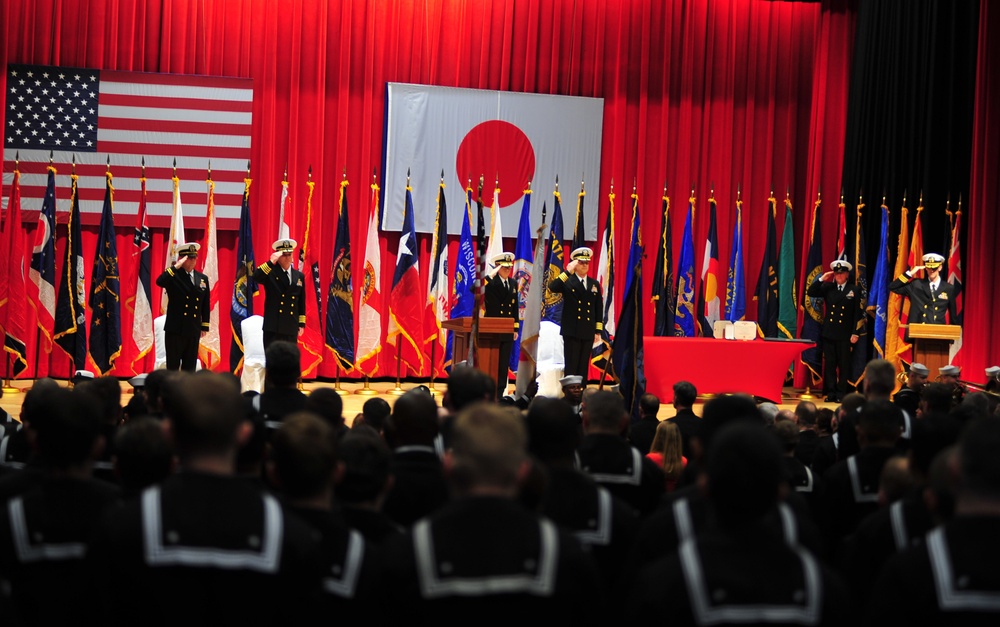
(950,371)
(582,254)
(188,250)
(993,371)
(841,266)
(284,246)
(918,368)
(504,260)
(933,260)
(573,379)
(81,376)
(138,381)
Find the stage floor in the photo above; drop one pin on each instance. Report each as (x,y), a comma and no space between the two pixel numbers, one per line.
(353,403)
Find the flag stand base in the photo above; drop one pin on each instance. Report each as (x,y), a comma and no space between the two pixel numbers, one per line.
(807,395)
(10,389)
(397,391)
(336,386)
(366,390)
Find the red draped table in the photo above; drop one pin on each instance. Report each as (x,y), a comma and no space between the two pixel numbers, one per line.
(717,366)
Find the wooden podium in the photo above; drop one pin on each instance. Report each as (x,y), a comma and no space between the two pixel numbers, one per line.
(932,342)
(491,332)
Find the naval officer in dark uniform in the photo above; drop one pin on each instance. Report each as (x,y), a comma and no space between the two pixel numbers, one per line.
(583,311)
(840,322)
(501,302)
(929,298)
(908,398)
(285,294)
(188,310)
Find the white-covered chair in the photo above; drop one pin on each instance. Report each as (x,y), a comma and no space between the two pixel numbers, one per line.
(159,348)
(253,353)
(550,360)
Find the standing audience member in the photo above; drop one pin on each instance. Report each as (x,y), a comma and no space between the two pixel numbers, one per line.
(908,398)
(484,554)
(742,569)
(205,545)
(365,482)
(303,467)
(612,462)
(281,395)
(685,395)
(952,578)
(800,477)
(666,451)
(852,484)
(49,517)
(805,418)
(419,487)
(604,524)
(641,433)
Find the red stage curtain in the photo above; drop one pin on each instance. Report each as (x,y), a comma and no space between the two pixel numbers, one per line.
(697,93)
(980,341)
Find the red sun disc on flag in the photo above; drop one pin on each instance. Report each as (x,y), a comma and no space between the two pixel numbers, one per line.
(497,150)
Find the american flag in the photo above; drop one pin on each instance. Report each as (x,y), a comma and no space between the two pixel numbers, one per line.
(95,114)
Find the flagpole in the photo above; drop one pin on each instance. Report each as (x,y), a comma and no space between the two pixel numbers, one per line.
(398,390)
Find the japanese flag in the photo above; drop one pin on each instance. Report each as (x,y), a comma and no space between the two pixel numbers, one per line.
(509,138)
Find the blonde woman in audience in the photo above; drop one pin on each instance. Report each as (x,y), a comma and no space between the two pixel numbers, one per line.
(666,452)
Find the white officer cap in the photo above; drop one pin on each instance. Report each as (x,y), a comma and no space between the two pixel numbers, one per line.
(504,260)
(573,379)
(188,250)
(582,254)
(950,371)
(138,381)
(993,371)
(284,246)
(841,266)
(917,368)
(82,375)
(933,260)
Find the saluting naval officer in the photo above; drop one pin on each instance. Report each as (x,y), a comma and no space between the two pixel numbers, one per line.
(188,310)
(501,301)
(840,319)
(285,295)
(929,298)
(583,311)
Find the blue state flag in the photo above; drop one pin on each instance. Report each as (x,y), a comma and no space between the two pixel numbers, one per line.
(553,301)
(684,313)
(628,354)
(523,260)
(812,308)
(340,297)
(878,299)
(736,294)
(105,290)
(635,248)
(462,297)
(244,287)
(71,318)
(664,297)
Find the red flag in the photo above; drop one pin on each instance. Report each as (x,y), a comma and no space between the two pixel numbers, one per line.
(210,347)
(904,350)
(955,278)
(12,292)
(406,304)
(369,302)
(311,340)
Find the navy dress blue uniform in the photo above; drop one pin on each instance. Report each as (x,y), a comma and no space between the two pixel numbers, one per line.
(501,302)
(284,302)
(188,315)
(927,306)
(843,311)
(582,315)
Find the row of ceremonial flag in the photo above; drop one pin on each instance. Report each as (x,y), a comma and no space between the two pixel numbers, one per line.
(688,298)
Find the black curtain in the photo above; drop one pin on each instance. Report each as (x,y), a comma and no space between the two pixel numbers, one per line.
(909,123)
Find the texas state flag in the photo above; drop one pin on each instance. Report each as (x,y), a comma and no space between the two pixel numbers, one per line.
(509,138)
